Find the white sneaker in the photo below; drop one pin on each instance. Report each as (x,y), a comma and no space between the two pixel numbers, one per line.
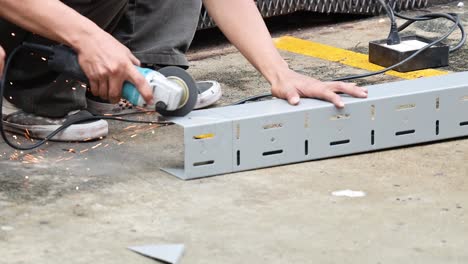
(209,92)
(19,122)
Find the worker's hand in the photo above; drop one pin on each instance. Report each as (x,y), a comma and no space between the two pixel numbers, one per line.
(291,86)
(2,60)
(108,64)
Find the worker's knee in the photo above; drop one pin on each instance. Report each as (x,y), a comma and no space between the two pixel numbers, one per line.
(105,13)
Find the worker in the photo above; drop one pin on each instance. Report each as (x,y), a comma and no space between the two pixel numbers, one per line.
(111,37)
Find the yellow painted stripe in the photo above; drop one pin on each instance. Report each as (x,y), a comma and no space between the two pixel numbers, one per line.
(346,57)
(204,136)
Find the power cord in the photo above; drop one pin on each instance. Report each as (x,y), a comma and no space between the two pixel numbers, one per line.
(66,124)
(393,37)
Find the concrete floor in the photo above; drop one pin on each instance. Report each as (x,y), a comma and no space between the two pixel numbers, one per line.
(85,203)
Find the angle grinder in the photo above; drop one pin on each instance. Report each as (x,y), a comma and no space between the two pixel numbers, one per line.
(174,90)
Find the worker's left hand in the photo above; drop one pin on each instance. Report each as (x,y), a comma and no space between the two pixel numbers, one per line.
(291,86)
(2,60)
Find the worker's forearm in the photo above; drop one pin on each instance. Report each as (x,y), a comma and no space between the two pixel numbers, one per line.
(51,19)
(243,25)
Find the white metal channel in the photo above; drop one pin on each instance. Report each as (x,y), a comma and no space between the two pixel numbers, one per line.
(271,133)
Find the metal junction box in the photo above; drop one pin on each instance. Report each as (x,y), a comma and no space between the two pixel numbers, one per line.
(270,133)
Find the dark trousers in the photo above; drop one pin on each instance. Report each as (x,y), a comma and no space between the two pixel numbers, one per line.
(156,31)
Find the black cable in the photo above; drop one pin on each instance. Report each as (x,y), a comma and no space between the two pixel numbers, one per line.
(393,36)
(450,16)
(252,98)
(66,124)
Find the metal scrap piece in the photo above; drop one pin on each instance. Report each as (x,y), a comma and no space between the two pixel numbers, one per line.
(171,253)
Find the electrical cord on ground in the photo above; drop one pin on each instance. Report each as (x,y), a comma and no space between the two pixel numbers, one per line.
(66,124)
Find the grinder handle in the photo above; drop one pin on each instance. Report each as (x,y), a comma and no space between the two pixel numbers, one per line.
(64,60)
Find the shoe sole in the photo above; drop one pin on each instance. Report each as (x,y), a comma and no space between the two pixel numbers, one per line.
(78,132)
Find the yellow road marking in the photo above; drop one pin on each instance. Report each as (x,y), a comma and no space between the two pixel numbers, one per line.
(346,57)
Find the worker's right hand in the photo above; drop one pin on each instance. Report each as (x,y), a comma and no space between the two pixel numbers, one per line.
(2,60)
(108,64)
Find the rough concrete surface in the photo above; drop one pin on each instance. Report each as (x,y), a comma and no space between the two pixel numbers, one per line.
(86,203)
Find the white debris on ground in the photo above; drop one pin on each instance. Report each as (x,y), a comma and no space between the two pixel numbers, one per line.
(349,193)
(6,228)
(461,4)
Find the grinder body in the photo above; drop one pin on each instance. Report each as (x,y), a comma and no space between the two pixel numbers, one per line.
(167,94)
(174,90)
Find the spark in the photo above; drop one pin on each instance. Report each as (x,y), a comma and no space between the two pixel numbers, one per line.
(116,139)
(132,136)
(73,88)
(44,59)
(83,85)
(28,158)
(13,34)
(70,150)
(84,150)
(96,146)
(14,156)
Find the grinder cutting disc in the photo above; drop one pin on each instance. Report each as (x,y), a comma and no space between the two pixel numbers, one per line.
(182,78)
